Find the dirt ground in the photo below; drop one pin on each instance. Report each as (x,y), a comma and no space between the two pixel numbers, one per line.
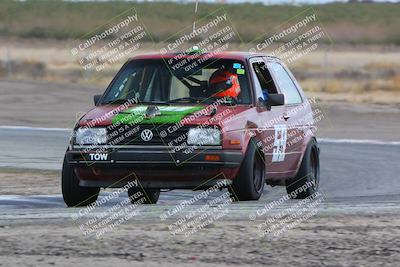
(29,182)
(354,238)
(348,240)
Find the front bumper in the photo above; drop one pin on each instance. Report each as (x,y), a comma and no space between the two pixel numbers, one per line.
(154,167)
(138,157)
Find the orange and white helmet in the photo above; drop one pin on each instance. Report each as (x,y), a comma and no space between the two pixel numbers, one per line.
(224,84)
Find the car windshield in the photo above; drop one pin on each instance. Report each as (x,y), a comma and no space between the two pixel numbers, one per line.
(152,81)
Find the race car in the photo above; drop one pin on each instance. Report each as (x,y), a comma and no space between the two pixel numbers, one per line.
(234,120)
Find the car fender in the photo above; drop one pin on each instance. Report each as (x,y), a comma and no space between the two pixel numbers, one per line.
(307,140)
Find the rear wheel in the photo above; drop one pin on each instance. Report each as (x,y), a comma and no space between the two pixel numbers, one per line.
(75,195)
(150,195)
(249,183)
(306,182)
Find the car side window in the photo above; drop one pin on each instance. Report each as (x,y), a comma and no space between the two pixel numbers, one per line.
(286,84)
(264,77)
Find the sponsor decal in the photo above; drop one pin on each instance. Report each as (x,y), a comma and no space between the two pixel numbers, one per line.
(240,71)
(237,65)
(279,149)
(98,156)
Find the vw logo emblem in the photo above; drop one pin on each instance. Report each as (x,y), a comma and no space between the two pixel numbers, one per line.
(146,135)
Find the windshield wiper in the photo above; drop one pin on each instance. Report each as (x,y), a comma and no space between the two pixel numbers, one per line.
(154,102)
(122,101)
(230,100)
(188,99)
(115,101)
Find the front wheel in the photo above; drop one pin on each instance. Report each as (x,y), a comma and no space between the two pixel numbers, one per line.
(249,183)
(306,182)
(75,195)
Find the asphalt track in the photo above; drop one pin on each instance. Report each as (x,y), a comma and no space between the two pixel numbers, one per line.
(355,176)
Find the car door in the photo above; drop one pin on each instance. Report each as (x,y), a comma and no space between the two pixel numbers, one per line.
(270,123)
(293,114)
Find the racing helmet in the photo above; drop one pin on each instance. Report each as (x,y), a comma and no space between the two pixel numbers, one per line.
(223,83)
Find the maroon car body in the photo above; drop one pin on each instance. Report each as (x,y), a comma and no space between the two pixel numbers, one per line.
(280,133)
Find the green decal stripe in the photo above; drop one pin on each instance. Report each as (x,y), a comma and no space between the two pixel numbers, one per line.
(168,115)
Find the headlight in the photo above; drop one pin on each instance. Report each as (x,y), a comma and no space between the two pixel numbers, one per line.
(91,136)
(204,136)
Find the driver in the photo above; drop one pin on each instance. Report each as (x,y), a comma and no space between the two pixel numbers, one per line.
(224,84)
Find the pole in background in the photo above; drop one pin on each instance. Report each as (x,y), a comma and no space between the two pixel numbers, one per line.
(195,15)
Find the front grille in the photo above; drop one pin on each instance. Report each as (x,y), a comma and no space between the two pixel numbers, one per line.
(166,135)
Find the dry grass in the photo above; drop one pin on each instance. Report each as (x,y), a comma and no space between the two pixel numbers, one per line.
(346,23)
(370,73)
(354,86)
(376,97)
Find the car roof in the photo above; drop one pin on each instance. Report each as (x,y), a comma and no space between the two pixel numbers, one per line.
(233,55)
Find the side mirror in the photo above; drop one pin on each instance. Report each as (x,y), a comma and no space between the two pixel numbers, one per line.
(273,100)
(276,100)
(96,99)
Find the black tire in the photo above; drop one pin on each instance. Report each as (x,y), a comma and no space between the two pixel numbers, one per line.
(249,183)
(150,195)
(73,194)
(306,182)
